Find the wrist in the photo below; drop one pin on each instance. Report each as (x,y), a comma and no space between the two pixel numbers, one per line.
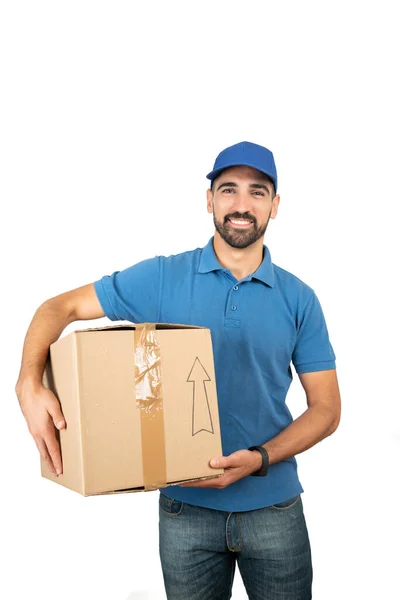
(29,382)
(256,461)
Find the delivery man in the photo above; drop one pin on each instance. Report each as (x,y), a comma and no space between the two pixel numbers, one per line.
(262,318)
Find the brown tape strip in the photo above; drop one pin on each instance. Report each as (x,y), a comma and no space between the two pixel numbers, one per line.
(149,401)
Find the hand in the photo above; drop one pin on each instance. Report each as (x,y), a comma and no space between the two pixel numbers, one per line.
(237,465)
(42,412)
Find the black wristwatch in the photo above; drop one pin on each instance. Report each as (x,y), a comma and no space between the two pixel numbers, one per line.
(265,461)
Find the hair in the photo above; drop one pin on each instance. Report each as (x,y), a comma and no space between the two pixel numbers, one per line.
(267,177)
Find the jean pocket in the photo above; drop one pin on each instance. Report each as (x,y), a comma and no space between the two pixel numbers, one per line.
(170,506)
(286,504)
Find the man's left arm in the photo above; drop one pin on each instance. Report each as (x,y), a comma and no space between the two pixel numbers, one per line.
(320,420)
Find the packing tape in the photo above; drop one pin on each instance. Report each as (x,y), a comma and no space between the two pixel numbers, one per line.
(149,401)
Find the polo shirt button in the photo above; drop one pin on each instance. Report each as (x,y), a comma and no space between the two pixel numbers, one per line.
(236,288)
(233,307)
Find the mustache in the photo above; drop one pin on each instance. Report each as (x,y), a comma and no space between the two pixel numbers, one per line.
(245,216)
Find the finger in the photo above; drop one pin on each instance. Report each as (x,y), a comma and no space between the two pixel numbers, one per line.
(41,446)
(53,449)
(205,483)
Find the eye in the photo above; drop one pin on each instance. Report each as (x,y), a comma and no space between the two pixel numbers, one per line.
(258,192)
(227,190)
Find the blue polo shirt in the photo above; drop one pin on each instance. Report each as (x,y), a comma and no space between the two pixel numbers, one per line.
(260,326)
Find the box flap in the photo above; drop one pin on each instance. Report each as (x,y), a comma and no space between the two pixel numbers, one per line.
(127,326)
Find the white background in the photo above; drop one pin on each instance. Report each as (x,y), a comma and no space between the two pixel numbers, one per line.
(111,115)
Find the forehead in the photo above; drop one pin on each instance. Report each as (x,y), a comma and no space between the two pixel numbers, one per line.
(242,173)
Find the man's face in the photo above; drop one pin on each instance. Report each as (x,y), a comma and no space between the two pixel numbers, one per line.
(242,204)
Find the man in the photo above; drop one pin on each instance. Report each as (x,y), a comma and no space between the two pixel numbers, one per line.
(261,318)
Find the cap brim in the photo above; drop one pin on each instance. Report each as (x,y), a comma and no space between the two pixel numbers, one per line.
(213,174)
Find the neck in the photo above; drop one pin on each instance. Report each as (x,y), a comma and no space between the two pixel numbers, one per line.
(240,261)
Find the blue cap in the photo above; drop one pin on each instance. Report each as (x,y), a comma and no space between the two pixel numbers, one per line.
(248,154)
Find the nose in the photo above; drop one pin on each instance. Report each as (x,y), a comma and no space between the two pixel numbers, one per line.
(242,203)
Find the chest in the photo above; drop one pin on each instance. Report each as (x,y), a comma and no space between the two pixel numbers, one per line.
(248,319)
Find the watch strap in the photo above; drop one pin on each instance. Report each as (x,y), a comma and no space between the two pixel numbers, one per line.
(265,461)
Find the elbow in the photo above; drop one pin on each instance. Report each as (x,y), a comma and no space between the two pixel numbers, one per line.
(336,413)
(334,424)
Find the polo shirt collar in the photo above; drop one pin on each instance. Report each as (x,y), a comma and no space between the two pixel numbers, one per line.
(209,262)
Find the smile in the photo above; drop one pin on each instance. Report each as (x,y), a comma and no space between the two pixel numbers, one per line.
(240,222)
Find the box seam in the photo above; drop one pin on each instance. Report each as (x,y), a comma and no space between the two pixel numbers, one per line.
(78,390)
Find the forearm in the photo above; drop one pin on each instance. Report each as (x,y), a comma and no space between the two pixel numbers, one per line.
(308,429)
(47,324)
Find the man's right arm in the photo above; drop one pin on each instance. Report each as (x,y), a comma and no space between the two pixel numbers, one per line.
(39,405)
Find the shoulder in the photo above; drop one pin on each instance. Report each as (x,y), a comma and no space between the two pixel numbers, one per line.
(160,260)
(181,260)
(290,281)
(292,287)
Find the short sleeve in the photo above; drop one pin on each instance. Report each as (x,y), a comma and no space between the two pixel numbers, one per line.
(131,294)
(313,350)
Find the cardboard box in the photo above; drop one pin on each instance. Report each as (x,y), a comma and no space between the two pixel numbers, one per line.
(120,437)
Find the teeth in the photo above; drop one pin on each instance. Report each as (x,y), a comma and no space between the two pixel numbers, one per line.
(239,222)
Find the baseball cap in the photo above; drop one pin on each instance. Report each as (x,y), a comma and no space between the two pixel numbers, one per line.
(248,154)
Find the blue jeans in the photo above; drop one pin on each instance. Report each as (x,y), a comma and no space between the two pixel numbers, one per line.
(199,548)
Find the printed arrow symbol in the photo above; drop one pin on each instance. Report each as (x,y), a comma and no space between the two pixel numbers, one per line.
(201,416)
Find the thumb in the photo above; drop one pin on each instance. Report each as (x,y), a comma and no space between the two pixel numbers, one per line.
(57,416)
(221,462)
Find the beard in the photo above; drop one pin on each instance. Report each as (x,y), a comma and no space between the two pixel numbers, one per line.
(237,237)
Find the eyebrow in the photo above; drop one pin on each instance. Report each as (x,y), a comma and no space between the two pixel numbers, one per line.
(252,185)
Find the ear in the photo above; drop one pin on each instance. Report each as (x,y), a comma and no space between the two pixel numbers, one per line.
(275,204)
(209,201)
